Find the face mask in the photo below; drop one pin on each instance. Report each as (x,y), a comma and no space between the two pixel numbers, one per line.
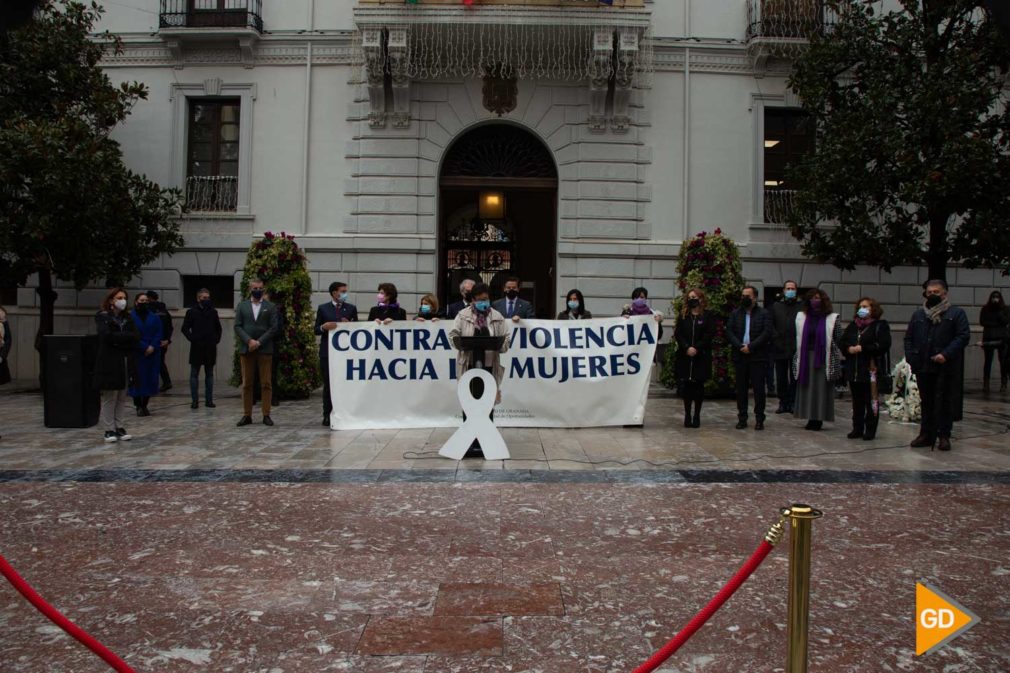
(863,313)
(511,294)
(381,298)
(790,294)
(573,305)
(205,303)
(815,304)
(467,297)
(343,296)
(257,294)
(693,302)
(483,305)
(425,309)
(640,302)
(933,299)
(120,304)
(142,309)
(995,300)
(746,302)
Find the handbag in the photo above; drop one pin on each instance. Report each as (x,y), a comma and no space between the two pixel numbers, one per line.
(885,383)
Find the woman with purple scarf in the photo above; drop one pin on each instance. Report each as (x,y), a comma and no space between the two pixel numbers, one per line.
(386,309)
(640,306)
(817,363)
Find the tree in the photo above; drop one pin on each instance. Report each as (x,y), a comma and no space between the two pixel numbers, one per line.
(69,207)
(911,164)
(278,261)
(711,263)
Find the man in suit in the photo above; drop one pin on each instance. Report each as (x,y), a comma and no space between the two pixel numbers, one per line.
(256,323)
(750,331)
(328,316)
(464,289)
(511,306)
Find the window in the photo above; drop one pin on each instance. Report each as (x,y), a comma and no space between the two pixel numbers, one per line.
(212,154)
(788,137)
(222,290)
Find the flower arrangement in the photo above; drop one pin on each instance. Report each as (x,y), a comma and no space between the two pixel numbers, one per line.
(710,262)
(281,264)
(904,404)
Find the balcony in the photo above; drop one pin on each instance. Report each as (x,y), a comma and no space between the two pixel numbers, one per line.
(211,193)
(779,29)
(778,205)
(183,23)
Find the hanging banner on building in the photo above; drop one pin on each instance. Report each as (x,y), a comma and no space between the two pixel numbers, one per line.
(557,374)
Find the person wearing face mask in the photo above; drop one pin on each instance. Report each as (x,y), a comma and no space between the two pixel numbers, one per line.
(148,354)
(817,363)
(427,310)
(640,306)
(257,322)
(465,291)
(386,308)
(328,317)
(115,364)
(784,345)
(5,347)
(995,320)
(865,345)
(934,343)
(693,333)
(480,319)
(202,328)
(575,309)
(750,332)
(160,309)
(512,306)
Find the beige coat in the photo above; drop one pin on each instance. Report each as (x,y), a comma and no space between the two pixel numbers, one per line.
(466,327)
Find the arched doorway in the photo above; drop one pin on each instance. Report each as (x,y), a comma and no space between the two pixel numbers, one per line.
(498,190)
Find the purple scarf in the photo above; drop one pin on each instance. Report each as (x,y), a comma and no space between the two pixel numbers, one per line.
(640,308)
(814,329)
(480,318)
(863,324)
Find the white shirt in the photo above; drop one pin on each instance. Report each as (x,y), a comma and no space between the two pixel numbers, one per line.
(256,306)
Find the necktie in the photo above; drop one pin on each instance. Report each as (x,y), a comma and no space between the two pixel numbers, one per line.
(510,309)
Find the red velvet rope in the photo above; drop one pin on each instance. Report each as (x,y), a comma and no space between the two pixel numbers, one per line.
(55,617)
(745,571)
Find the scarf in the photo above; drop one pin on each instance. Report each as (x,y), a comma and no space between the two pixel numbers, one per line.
(935,314)
(813,330)
(480,318)
(640,309)
(863,323)
(394,305)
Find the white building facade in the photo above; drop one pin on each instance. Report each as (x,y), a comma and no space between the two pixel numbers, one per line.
(572,143)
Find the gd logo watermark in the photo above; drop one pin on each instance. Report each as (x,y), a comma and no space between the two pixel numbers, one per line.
(939,619)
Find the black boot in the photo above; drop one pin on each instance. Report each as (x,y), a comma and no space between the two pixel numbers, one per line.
(871,427)
(687,412)
(696,421)
(985,384)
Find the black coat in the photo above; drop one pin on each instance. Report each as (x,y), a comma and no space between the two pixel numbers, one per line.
(167,329)
(383,312)
(115,366)
(5,351)
(697,331)
(761,333)
(567,315)
(784,321)
(329,312)
(995,324)
(202,327)
(950,336)
(454,308)
(876,347)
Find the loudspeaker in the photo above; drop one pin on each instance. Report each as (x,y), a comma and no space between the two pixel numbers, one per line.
(70,399)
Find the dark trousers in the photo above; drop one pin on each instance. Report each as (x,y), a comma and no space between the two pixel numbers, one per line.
(750,375)
(141,402)
(863,418)
(785,383)
(937,417)
(194,382)
(693,393)
(995,353)
(166,379)
(324,369)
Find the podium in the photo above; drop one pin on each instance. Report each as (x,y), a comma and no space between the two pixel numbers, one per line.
(477,388)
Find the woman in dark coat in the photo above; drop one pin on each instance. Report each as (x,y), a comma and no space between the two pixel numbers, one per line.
(115,366)
(387,309)
(693,366)
(575,307)
(866,345)
(148,355)
(202,328)
(5,347)
(995,320)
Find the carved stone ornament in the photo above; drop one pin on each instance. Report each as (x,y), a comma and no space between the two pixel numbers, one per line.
(501,90)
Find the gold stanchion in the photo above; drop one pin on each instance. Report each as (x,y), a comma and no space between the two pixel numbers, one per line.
(801,522)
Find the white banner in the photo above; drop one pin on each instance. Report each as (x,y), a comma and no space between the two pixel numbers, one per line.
(557,374)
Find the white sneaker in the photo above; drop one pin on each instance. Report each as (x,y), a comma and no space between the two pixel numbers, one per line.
(111,436)
(123,435)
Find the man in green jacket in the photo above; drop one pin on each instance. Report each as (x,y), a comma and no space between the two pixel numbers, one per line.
(257,322)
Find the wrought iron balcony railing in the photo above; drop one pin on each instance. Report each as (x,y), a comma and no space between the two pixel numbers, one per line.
(211,193)
(778,205)
(212,14)
(787,20)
